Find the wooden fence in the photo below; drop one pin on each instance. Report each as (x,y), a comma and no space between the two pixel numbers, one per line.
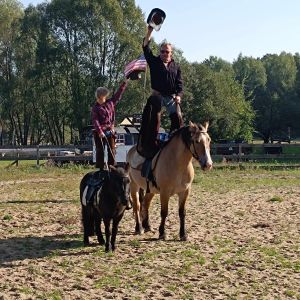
(229,152)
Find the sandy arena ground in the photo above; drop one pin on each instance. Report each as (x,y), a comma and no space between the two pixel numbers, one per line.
(242,245)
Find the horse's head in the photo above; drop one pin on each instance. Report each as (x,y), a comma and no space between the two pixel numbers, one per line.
(119,185)
(200,145)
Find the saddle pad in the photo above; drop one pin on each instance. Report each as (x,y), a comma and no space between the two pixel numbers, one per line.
(93,185)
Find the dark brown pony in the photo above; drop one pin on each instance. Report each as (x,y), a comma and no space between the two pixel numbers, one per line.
(108,204)
(173,172)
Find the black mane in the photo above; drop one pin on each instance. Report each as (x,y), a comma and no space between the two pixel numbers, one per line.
(119,171)
(185,135)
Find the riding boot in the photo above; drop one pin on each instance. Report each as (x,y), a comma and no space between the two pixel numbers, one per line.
(147,143)
(176,122)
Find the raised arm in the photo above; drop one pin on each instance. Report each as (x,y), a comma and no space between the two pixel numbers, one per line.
(148,36)
(147,51)
(118,94)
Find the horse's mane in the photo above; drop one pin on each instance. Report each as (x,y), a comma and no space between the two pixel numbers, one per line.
(119,171)
(185,135)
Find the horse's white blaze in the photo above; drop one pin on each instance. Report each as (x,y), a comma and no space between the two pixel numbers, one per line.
(208,158)
(83,200)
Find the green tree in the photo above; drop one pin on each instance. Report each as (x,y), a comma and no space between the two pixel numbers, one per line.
(217,97)
(10,13)
(275,103)
(251,74)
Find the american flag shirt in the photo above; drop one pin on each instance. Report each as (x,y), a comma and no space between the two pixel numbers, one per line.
(103,115)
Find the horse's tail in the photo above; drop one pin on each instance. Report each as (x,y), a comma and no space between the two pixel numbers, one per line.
(88,220)
(87,211)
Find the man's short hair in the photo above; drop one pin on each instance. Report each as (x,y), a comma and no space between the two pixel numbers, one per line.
(164,44)
(101,91)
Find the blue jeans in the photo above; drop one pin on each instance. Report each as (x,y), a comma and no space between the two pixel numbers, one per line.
(169,103)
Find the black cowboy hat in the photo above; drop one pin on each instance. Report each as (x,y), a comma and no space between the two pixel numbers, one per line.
(156,18)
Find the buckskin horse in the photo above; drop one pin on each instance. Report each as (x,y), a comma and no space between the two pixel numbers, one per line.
(173,172)
(107,203)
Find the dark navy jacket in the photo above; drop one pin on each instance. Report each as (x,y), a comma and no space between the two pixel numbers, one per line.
(166,81)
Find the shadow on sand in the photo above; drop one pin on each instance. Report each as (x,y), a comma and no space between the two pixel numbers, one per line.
(21,248)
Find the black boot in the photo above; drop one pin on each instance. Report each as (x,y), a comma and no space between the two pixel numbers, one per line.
(147,142)
(176,122)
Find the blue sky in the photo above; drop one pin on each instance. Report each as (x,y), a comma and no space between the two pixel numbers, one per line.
(225,28)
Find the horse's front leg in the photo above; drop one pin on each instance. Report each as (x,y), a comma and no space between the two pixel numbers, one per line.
(182,201)
(134,191)
(107,233)
(145,211)
(115,226)
(164,202)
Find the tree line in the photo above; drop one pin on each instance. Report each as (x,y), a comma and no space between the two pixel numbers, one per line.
(55,54)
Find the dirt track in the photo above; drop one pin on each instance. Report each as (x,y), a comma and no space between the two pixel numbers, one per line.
(242,245)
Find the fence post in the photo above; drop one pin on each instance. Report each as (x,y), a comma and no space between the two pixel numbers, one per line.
(38,155)
(18,155)
(240,151)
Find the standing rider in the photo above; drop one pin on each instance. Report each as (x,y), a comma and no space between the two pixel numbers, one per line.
(167,90)
(103,118)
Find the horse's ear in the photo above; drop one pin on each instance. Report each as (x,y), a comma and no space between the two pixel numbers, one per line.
(191,124)
(205,125)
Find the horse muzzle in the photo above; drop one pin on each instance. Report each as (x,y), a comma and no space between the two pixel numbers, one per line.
(205,164)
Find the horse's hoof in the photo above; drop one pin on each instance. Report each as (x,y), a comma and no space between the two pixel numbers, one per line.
(162,237)
(86,243)
(148,229)
(184,238)
(101,242)
(139,232)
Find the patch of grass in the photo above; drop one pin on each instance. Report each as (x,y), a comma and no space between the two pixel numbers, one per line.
(54,253)
(185,267)
(25,290)
(225,180)
(290,293)
(34,270)
(135,243)
(53,295)
(193,255)
(7,217)
(296,266)
(269,251)
(275,199)
(65,263)
(108,281)
(172,288)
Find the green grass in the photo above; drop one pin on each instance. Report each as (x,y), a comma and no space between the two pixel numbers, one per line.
(7,217)
(290,150)
(224,180)
(275,199)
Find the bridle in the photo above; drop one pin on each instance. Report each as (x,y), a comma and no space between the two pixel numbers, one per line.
(195,153)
